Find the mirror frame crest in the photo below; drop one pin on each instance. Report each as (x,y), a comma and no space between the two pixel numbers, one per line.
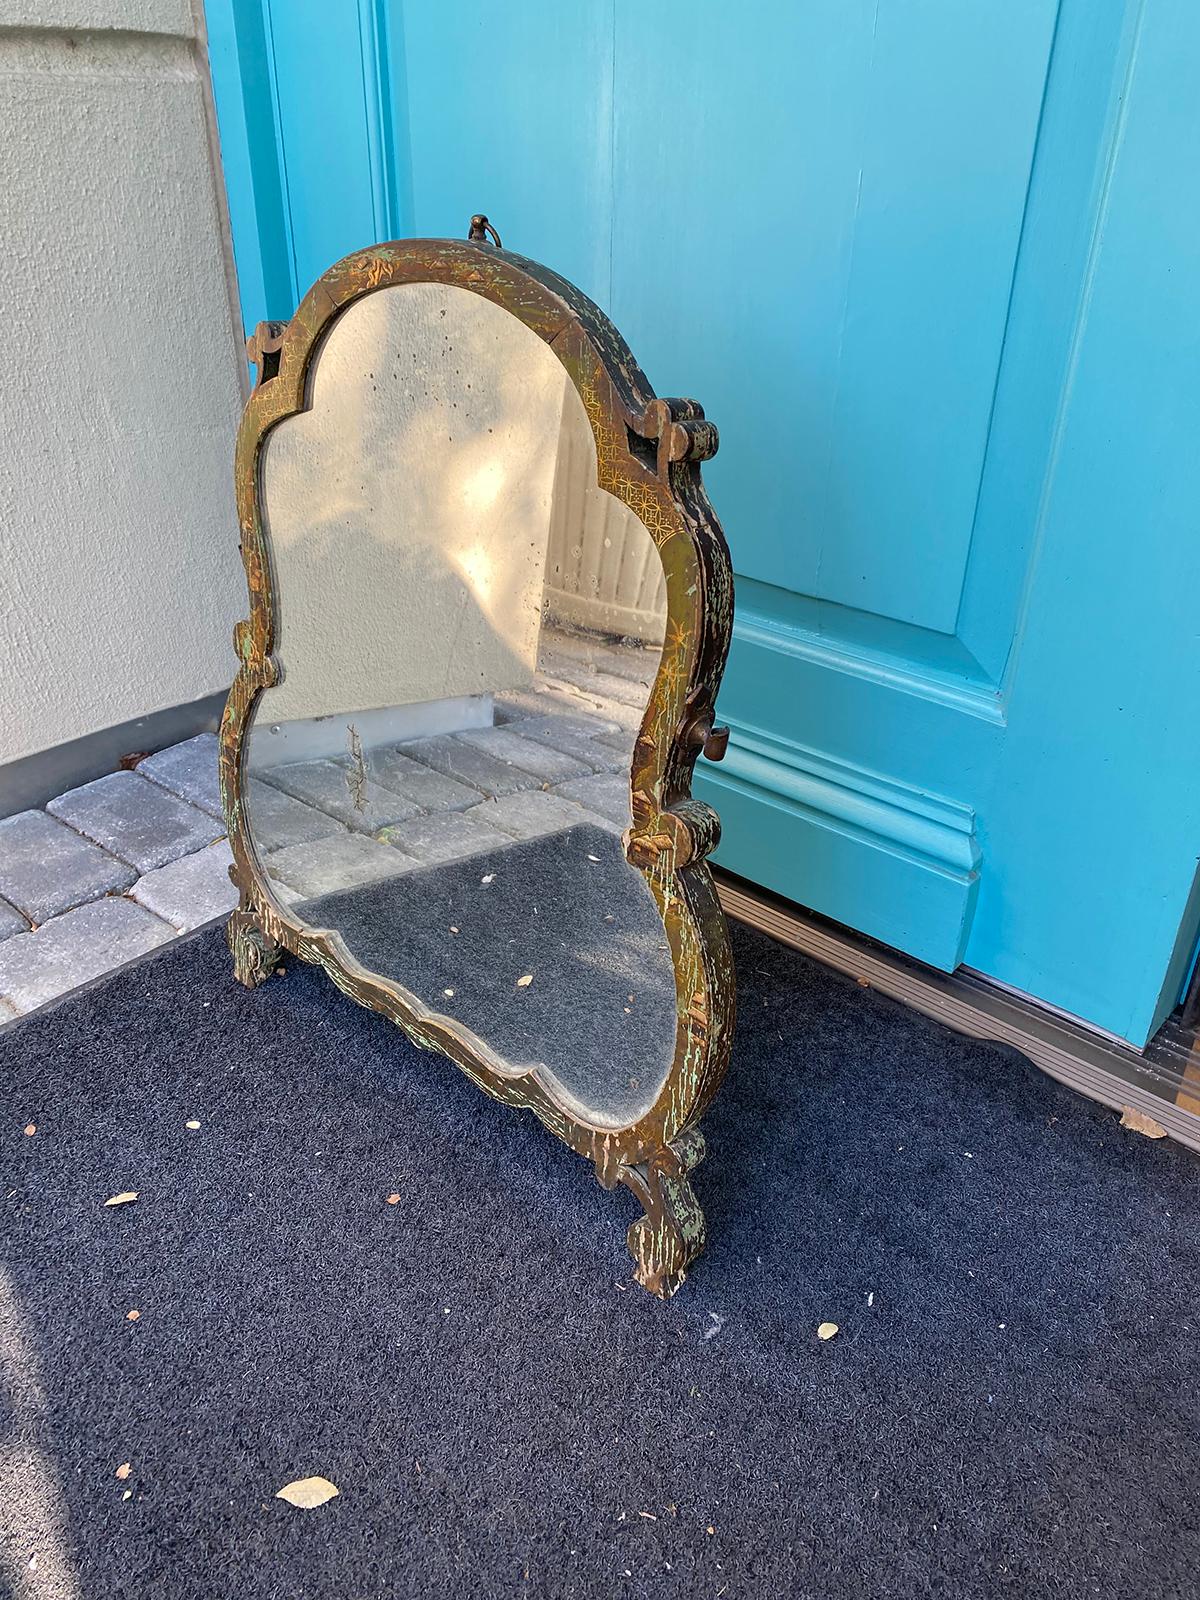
(648,454)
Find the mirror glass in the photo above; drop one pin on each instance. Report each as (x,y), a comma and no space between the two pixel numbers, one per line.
(468,629)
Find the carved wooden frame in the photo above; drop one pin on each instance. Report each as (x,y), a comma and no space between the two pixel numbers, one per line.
(648,454)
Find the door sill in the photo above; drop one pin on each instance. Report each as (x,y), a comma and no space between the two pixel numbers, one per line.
(1162,1082)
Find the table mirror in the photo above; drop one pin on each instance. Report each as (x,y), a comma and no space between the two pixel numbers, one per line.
(489,608)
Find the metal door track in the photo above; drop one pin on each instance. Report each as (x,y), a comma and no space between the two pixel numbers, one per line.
(1162,1082)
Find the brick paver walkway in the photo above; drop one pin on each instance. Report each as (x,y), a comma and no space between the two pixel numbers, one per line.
(133,860)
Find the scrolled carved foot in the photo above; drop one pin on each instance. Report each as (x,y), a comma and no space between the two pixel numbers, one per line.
(255,956)
(666,1241)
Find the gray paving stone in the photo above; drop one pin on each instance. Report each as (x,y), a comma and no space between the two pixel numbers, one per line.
(444,836)
(342,861)
(327,785)
(449,755)
(529,816)
(136,820)
(46,868)
(11,920)
(546,763)
(72,949)
(276,820)
(191,891)
(605,793)
(585,747)
(188,770)
(430,790)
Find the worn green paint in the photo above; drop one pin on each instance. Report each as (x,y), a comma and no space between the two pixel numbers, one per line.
(671,834)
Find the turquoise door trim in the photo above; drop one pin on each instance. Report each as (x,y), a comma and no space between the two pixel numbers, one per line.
(313,122)
(932,270)
(1047,709)
(244,92)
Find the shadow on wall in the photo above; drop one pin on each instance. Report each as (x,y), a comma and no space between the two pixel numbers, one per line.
(409,509)
(436,498)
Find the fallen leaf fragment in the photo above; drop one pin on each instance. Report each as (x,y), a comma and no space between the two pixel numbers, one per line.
(393,1199)
(124,1470)
(307,1493)
(30,1129)
(132,1316)
(1138,1122)
(523,983)
(827,1330)
(123,1198)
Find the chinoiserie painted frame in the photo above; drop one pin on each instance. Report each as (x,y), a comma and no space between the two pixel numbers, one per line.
(648,455)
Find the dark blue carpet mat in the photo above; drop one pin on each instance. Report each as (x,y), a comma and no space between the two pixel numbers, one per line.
(1010,1408)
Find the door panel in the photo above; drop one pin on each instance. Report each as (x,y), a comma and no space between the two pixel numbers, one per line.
(930,268)
(861,245)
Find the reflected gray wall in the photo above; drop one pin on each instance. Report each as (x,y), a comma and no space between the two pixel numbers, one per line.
(409,509)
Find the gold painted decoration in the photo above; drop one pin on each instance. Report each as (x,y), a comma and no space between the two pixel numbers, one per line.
(648,456)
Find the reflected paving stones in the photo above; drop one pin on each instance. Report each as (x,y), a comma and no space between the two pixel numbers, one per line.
(450,755)
(623,709)
(341,791)
(543,701)
(574,738)
(550,765)
(606,793)
(342,861)
(277,819)
(425,787)
(527,816)
(445,836)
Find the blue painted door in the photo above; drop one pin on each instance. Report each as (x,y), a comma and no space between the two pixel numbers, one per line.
(932,267)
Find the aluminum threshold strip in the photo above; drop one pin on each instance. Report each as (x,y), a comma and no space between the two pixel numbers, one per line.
(1106,1072)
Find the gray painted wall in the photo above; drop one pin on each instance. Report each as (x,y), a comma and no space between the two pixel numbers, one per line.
(121,374)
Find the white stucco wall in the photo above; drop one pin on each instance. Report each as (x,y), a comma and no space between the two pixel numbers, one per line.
(120,373)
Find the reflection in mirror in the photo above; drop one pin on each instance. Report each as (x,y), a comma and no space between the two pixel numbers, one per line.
(468,631)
